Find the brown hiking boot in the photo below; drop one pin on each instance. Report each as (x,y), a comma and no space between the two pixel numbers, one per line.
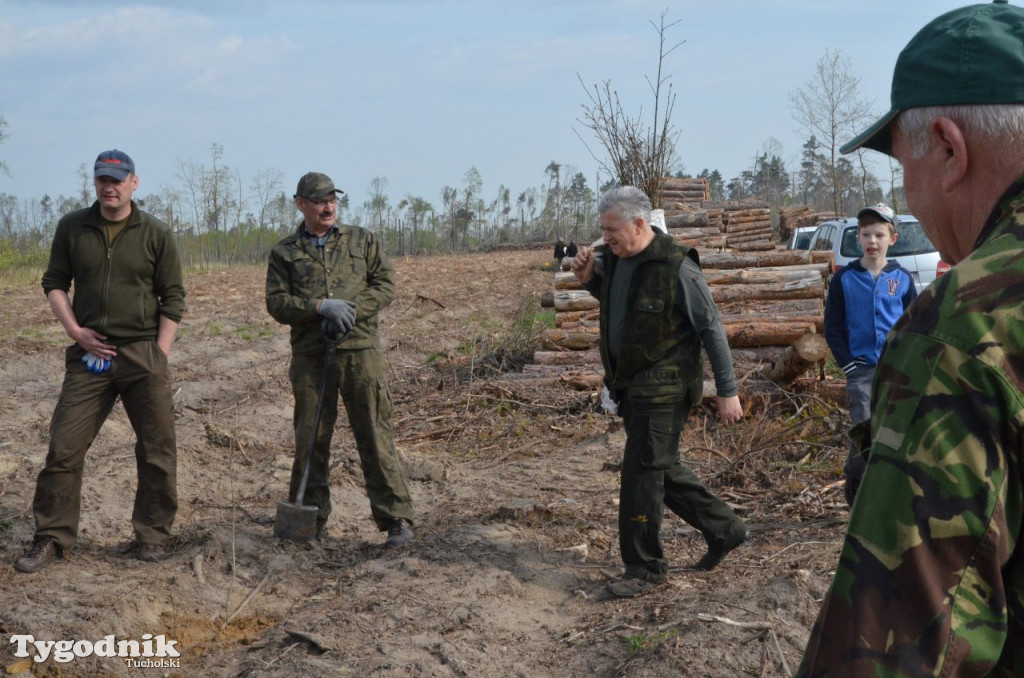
(399,532)
(150,553)
(39,554)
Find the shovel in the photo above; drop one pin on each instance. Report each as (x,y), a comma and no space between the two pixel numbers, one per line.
(294,521)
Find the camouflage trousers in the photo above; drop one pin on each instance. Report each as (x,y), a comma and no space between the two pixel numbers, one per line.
(358,375)
(139,375)
(652,478)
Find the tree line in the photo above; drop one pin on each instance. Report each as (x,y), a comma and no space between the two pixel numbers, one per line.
(221,217)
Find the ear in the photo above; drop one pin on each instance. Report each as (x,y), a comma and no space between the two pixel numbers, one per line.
(949,139)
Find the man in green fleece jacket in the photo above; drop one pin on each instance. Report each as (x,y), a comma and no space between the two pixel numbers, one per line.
(128,300)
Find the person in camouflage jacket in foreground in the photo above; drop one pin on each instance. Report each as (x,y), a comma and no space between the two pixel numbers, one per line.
(930,580)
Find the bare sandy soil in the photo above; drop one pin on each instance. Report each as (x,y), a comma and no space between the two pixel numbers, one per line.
(514,482)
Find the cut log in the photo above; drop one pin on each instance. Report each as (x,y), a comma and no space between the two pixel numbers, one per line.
(753,276)
(753,260)
(569,317)
(575,341)
(754,307)
(588,357)
(817,321)
(764,235)
(747,226)
(567,281)
(574,300)
(806,288)
(804,354)
(754,246)
(687,220)
(706,232)
(582,381)
(734,206)
(755,333)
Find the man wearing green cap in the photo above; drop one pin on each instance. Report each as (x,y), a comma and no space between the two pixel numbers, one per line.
(330,279)
(930,580)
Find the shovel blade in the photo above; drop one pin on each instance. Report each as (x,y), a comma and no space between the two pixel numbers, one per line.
(295,522)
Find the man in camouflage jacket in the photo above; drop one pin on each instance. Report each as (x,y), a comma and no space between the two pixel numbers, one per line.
(336,277)
(930,581)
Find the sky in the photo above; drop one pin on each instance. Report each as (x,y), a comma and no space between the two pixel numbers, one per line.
(414,91)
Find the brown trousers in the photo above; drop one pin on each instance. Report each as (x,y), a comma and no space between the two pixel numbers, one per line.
(139,375)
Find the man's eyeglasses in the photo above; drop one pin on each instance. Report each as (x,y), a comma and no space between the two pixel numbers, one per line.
(324,202)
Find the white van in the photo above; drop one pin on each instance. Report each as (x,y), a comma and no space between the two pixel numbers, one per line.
(912,250)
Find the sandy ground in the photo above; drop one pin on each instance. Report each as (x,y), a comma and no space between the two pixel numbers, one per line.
(514,482)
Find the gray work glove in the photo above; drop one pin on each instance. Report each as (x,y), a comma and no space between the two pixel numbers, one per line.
(342,313)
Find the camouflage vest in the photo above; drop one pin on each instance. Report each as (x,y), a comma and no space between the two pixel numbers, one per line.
(660,355)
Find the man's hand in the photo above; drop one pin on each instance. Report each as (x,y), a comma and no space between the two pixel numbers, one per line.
(95,343)
(583,264)
(729,409)
(341,312)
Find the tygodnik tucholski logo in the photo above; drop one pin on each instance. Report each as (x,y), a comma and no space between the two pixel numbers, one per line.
(152,652)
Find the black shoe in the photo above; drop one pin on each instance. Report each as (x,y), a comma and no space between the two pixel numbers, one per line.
(150,553)
(399,532)
(715,553)
(321,529)
(629,587)
(42,551)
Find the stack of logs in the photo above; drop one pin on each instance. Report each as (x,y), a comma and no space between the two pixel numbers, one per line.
(771,304)
(795,216)
(693,219)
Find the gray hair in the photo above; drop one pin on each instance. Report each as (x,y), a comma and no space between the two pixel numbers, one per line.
(630,201)
(1000,124)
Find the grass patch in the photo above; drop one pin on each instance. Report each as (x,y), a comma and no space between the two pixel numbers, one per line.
(644,643)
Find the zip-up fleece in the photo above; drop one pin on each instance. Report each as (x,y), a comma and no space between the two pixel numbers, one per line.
(352,267)
(660,352)
(860,311)
(121,288)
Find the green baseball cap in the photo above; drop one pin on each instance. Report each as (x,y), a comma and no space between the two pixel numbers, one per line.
(314,186)
(971,55)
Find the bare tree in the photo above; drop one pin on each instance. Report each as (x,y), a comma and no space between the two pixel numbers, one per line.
(638,155)
(3,137)
(265,185)
(829,107)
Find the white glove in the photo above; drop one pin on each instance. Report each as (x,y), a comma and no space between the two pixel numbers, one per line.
(609,405)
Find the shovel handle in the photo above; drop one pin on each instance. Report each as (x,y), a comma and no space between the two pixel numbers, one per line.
(331,343)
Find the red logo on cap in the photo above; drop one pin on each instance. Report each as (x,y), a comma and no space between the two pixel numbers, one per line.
(113,160)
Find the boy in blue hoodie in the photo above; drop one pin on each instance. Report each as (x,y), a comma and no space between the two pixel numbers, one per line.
(865,299)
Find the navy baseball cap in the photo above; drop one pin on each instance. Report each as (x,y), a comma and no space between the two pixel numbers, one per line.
(115,164)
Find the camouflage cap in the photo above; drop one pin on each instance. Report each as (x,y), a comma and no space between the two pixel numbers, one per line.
(314,186)
(969,56)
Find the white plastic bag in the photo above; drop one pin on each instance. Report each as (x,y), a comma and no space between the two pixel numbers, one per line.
(609,405)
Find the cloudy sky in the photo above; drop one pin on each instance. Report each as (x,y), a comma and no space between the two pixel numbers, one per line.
(413,91)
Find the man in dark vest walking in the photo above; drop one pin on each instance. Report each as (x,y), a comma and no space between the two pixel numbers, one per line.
(657,315)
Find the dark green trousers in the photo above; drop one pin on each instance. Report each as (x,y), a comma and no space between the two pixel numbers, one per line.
(139,375)
(358,375)
(652,478)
